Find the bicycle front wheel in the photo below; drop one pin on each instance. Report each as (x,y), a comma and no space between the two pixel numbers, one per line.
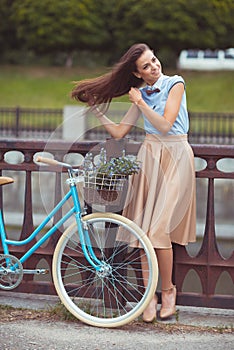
(117,294)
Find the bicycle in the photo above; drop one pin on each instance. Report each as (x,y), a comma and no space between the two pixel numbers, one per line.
(92,268)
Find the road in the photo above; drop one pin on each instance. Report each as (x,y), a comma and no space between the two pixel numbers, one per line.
(47,335)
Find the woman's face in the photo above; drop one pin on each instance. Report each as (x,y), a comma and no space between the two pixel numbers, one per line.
(148,67)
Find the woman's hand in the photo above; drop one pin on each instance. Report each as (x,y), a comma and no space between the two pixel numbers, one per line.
(134,95)
(96,111)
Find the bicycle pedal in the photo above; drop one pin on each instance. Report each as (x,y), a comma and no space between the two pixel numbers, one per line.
(37,272)
(44,271)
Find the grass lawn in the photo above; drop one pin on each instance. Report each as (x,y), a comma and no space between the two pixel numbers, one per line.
(49,87)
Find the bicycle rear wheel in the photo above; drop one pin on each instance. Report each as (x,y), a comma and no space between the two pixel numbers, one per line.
(116,295)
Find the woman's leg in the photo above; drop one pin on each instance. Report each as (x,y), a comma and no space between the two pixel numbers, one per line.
(149,314)
(165,264)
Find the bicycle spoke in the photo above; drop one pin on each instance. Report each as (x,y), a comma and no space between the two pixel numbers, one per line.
(113,293)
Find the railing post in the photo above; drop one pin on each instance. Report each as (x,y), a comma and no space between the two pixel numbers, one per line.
(17,121)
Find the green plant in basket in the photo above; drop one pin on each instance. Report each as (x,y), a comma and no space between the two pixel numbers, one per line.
(107,183)
(110,174)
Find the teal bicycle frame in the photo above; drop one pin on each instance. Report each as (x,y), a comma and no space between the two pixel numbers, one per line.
(82,231)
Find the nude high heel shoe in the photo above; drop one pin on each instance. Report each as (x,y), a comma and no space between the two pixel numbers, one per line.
(168,307)
(150,313)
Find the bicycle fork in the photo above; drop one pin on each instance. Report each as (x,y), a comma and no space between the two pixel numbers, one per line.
(102,268)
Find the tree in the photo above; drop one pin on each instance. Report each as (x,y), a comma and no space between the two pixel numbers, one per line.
(111,26)
(52,26)
(8,37)
(180,24)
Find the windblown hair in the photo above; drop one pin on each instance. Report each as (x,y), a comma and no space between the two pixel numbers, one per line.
(116,83)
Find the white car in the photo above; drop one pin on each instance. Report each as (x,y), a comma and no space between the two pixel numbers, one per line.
(206,60)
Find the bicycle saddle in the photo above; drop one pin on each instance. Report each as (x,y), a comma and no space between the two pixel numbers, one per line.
(5,180)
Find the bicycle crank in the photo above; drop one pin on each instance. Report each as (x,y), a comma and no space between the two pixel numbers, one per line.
(11,272)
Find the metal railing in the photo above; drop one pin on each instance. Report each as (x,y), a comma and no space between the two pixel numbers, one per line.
(29,122)
(205,128)
(211,128)
(207,264)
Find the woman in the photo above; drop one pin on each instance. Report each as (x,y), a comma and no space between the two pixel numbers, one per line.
(164,203)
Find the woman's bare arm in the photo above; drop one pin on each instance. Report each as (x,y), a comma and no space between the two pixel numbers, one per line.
(164,122)
(118,130)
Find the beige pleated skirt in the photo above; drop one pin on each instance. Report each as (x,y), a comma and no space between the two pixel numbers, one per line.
(161,198)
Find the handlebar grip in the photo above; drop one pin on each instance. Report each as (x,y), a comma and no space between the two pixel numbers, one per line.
(48,161)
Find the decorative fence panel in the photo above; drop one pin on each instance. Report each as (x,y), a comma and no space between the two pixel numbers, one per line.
(207,265)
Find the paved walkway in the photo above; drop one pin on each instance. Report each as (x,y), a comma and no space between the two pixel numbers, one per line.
(192,316)
(44,335)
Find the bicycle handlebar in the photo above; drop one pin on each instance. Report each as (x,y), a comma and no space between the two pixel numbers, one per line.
(51,161)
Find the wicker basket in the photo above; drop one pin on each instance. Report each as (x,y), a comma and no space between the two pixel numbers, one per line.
(105,190)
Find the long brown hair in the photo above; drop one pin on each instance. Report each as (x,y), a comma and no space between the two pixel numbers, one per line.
(113,84)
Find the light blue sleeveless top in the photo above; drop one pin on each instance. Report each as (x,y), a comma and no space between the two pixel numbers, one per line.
(157,102)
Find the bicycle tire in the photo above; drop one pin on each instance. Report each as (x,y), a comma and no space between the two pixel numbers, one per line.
(105,301)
